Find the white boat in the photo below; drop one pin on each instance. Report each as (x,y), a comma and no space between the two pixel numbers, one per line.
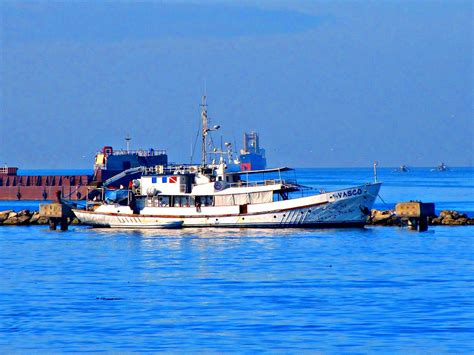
(245,206)
(211,195)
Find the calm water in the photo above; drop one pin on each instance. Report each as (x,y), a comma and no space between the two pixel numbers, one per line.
(377,289)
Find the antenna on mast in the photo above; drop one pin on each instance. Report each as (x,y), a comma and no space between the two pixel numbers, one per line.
(127,140)
(375,170)
(204,129)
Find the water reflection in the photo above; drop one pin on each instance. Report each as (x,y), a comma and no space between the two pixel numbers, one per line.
(215,235)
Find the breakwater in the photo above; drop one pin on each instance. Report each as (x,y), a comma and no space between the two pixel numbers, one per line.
(26,218)
(377,218)
(446,218)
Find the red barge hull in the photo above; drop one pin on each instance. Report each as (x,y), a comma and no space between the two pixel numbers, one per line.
(43,187)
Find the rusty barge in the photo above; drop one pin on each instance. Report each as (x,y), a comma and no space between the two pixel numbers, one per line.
(41,187)
(108,163)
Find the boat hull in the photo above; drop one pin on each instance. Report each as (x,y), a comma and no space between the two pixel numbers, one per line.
(344,208)
(128,221)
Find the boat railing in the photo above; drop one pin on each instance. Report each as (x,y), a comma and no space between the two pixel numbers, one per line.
(171,169)
(268,182)
(140,152)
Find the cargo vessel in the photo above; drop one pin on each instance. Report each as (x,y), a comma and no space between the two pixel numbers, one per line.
(252,157)
(108,163)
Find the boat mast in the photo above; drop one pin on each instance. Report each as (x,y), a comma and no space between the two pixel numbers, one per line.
(204,129)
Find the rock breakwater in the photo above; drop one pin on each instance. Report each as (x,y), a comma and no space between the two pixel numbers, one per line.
(25,218)
(377,218)
(446,217)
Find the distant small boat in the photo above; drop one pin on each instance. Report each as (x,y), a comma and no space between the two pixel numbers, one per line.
(441,167)
(402,169)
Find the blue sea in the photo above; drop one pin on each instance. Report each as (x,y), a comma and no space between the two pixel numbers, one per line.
(378,289)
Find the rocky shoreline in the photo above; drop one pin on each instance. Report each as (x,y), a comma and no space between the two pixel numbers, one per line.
(446,218)
(377,218)
(26,218)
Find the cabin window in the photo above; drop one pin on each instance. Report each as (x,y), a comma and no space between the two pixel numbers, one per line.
(207,201)
(164,201)
(219,178)
(180,201)
(187,201)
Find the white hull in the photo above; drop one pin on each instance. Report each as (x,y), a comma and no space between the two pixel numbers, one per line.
(343,208)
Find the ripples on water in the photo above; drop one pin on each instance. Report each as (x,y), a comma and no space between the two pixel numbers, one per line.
(289,290)
(220,290)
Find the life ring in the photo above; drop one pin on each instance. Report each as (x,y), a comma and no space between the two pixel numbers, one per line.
(218,185)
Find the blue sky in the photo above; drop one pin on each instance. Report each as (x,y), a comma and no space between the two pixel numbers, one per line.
(326,84)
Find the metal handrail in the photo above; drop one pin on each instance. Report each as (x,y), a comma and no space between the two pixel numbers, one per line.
(244,183)
(140,152)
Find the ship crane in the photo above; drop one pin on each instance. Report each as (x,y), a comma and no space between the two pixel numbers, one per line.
(123,174)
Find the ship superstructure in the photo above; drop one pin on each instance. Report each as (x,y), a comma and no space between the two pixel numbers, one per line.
(110,162)
(252,157)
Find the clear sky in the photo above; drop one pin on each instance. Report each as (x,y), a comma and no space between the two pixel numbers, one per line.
(326,84)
